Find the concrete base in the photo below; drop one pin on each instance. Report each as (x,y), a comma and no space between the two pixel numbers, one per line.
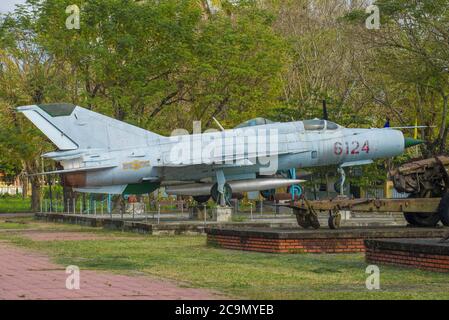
(135,208)
(223,214)
(198,213)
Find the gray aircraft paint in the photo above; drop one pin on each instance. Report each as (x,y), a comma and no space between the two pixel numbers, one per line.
(104,155)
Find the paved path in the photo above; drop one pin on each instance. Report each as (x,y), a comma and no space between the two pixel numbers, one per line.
(29,275)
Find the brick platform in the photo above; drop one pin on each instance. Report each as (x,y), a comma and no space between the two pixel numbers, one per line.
(347,240)
(427,254)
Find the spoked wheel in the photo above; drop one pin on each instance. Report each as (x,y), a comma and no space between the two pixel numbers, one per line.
(334,220)
(418,219)
(227,194)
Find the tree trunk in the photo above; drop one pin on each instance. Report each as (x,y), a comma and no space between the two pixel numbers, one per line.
(444,129)
(69,197)
(35,194)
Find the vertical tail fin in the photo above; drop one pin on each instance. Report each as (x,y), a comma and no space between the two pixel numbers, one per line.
(71,127)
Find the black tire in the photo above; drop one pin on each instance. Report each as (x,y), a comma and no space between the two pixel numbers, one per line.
(443,209)
(410,218)
(268,194)
(201,199)
(303,221)
(423,220)
(334,222)
(227,194)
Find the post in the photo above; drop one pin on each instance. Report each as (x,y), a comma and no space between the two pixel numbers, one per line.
(145,211)
(74,205)
(95,207)
(68,205)
(109,204)
(205,213)
(153,213)
(50,192)
(251,212)
(122,207)
(159,213)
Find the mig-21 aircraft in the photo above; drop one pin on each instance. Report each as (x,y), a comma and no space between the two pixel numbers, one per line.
(98,154)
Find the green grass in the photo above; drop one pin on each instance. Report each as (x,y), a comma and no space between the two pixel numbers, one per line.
(14,205)
(12,224)
(240,274)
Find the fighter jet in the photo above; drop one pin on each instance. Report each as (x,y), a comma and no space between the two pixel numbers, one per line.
(98,154)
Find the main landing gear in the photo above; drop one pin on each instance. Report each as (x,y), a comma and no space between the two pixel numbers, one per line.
(221,191)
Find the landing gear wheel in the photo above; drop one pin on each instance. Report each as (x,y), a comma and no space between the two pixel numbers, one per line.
(334,221)
(227,194)
(422,220)
(201,199)
(443,209)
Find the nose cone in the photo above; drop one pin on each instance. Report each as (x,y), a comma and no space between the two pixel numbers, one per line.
(410,142)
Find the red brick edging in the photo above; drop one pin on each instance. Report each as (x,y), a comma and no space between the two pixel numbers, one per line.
(421,254)
(289,240)
(287,245)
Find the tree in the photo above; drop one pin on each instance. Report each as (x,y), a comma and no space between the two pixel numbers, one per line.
(28,75)
(407,64)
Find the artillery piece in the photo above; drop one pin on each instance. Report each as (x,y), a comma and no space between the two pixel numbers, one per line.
(426,181)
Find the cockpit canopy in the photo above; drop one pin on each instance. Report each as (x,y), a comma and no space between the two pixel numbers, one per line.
(316,125)
(254,122)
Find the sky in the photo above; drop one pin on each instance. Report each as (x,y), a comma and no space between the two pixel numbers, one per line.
(8,5)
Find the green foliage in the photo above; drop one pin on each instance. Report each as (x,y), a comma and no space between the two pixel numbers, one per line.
(162,64)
